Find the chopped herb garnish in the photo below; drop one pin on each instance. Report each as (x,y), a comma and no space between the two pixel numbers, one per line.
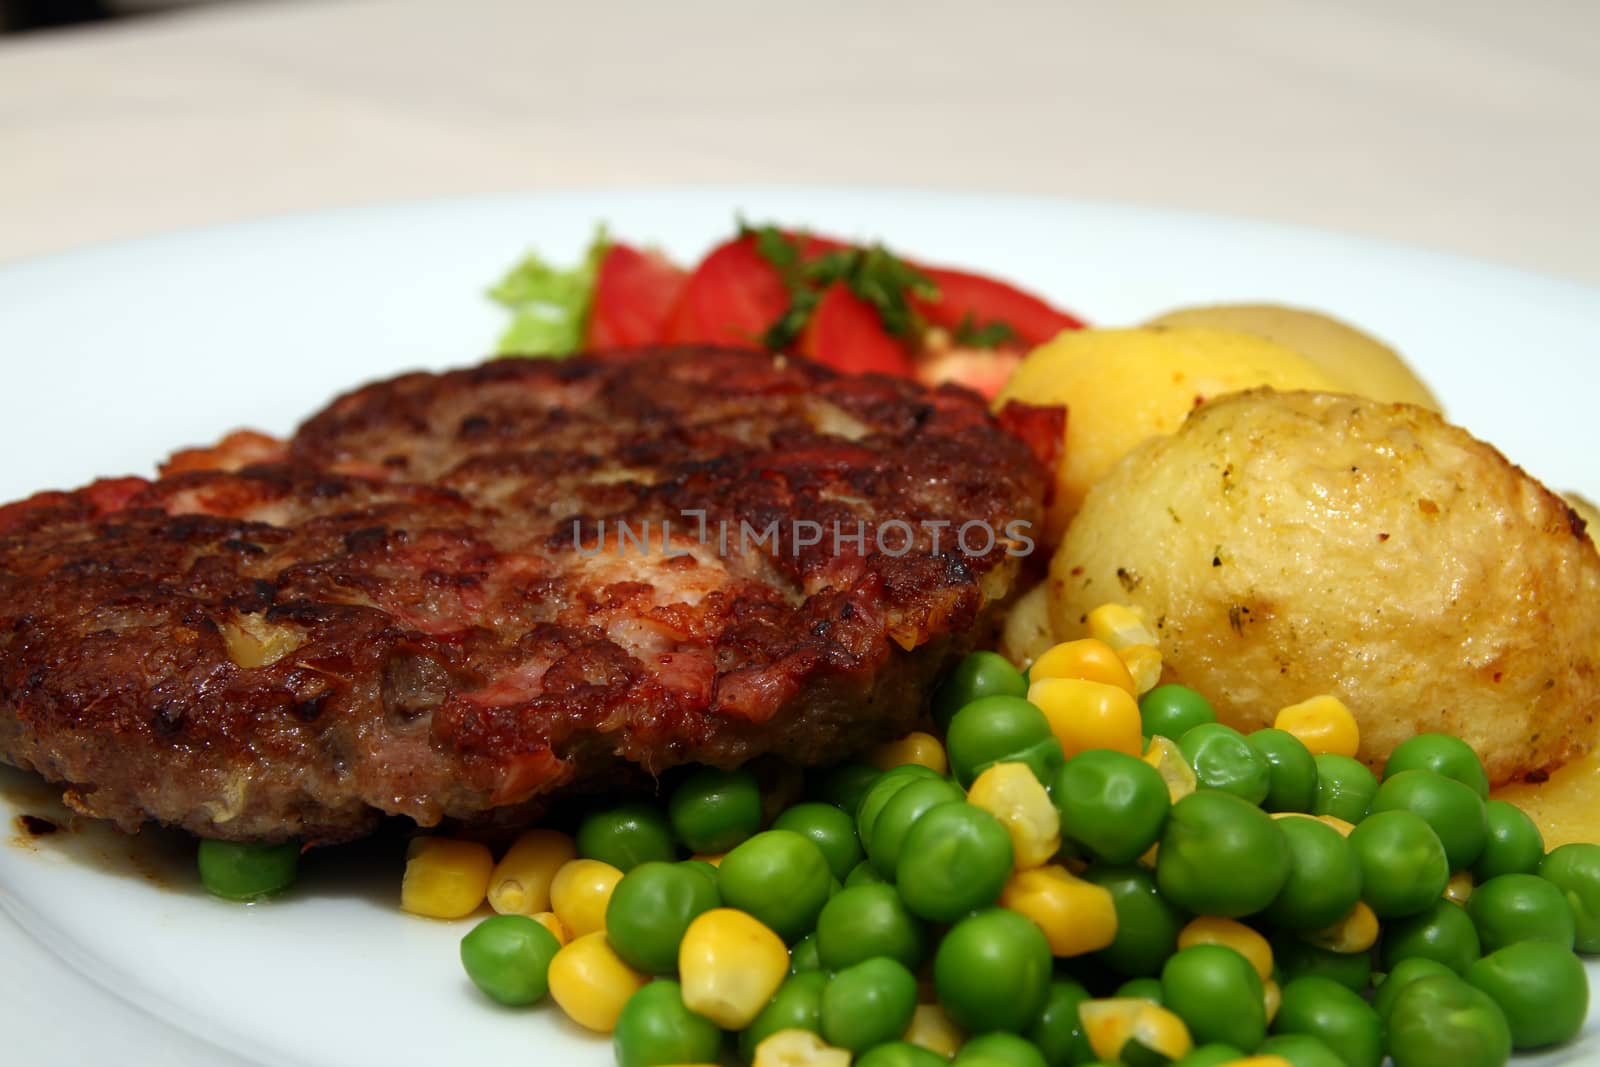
(970,333)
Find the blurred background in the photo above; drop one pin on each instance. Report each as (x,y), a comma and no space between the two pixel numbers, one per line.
(1465,126)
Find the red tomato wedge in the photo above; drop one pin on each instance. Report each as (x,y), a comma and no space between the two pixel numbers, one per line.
(981,300)
(634,291)
(734,295)
(846,334)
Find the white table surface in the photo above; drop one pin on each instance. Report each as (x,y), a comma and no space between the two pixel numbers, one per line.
(1467,126)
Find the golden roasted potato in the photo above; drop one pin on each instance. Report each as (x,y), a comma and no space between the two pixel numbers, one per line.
(1355,360)
(1586,511)
(1293,544)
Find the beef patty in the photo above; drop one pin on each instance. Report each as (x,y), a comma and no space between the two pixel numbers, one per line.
(450,596)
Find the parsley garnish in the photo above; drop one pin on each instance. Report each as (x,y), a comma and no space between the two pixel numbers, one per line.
(970,333)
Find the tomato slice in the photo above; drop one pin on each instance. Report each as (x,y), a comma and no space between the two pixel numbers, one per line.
(634,292)
(846,334)
(975,299)
(732,297)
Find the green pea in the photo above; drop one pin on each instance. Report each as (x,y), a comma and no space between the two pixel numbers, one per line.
(1059,1031)
(655,1028)
(978,675)
(843,786)
(626,836)
(1147,923)
(900,814)
(712,810)
(991,729)
(1453,810)
(797,1005)
(1575,870)
(1401,975)
(1001,1050)
(701,867)
(508,957)
(865,921)
(1540,987)
(868,1003)
(1291,770)
(1446,1021)
(1339,1018)
(1443,933)
(236,871)
(1301,959)
(885,789)
(651,908)
(1301,1050)
(1514,844)
(992,972)
(956,858)
(1221,855)
(1112,803)
(827,827)
(1345,788)
(1217,993)
(1212,1055)
(864,873)
(804,956)
(1324,880)
(1142,989)
(1171,711)
(900,1054)
(1224,761)
(1521,907)
(1044,758)
(1403,865)
(779,877)
(1441,754)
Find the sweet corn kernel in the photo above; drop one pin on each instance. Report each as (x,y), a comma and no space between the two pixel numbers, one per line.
(1334,821)
(1356,932)
(1076,916)
(1150,856)
(1271,998)
(1085,715)
(591,983)
(580,892)
(1011,793)
(445,878)
(520,884)
(1323,724)
(548,920)
(1165,756)
(798,1048)
(1111,1023)
(1088,659)
(1259,1061)
(932,1029)
(1120,626)
(1215,930)
(917,747)
(1459,888)
(715,861)
(1144,665)
(730,965)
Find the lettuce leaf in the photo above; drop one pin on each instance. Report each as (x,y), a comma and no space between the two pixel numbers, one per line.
(549,305)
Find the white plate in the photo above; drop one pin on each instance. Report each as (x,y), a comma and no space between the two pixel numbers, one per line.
(114,356)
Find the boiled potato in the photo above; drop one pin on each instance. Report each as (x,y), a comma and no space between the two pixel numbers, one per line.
(1357,361)
(1123,386)
(1586,511)
(1293,544)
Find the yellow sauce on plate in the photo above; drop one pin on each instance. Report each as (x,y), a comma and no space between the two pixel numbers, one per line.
(1567,806)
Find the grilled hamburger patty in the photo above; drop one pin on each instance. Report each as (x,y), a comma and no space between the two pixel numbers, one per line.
(424,603)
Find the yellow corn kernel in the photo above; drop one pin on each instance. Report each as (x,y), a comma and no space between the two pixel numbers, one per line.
(1271,998)
(1356,932)
(1268,1060)
(445,878)
(1334,821)
(520,884)
(1111,1023)
(917,747)
(1150,856)
(1085,715)
(580,892)
(1144,665)
(1165,756)
(932,1029)
(798,1048)
(1120,626)
(1215,930)
(1459,888)
(1011,793)
(1323,724)
(715,861)
(591,983)
(1076,916)
(1087,659)
(730,966)
(548,920)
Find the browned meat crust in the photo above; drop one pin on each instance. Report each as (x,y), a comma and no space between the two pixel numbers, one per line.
(404,610)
